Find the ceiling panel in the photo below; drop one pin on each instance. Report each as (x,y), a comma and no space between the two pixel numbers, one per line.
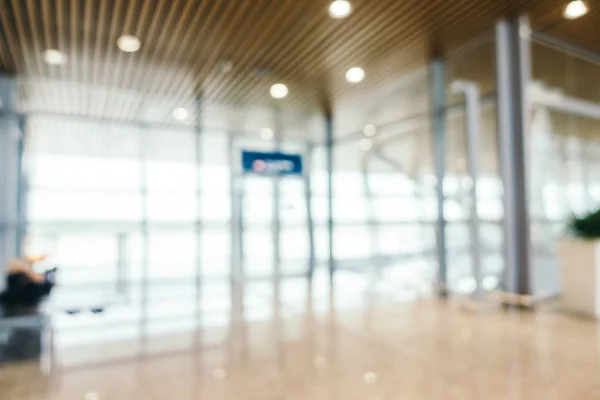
(186,42)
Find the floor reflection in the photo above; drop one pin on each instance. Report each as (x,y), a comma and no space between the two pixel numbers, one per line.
(172,321)
(358,338)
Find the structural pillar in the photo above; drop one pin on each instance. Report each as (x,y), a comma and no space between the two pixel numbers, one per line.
(513,76)
(10,172)
(437,84)
(22,189)
(312,258)
(276,201)
(144,146)
(329,156)
(473,121)
(198,152)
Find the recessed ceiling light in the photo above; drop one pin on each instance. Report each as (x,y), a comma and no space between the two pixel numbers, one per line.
(575,9)
(365,144)
(340,9)
(355,75)
(128,43)
(180,113)
(279,91)
(55,57)
(266,133)
(369,130)
(370,377)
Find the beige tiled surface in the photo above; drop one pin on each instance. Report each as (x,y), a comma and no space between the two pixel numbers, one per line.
(382,349)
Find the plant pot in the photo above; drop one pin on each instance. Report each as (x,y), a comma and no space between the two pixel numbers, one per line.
(580,276)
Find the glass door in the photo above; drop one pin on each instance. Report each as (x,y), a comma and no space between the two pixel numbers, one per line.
(258,236)
(273,224)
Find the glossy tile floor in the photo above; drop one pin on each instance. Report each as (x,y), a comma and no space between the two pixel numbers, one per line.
(354,341)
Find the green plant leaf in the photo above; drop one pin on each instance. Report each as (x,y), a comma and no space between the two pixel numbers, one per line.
(586,226)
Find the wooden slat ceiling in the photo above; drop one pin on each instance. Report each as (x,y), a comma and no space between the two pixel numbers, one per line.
(185,42)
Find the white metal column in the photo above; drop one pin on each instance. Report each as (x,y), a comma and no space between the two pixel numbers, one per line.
(309,210)
(329,143)
(473,115)
(10,139)
(374,239)
(437,79)
(277,201)
(198,223)
(513,76)
(236,188)
(145,235)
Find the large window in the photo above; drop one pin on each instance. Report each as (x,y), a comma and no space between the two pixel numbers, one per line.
(125,209)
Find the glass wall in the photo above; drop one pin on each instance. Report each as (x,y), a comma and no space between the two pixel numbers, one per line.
(383,184)
(384,192)
(564,149)
(142,218)
(385,137)
(458,182)
(152,215)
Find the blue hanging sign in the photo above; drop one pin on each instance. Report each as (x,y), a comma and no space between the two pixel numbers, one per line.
(271,163)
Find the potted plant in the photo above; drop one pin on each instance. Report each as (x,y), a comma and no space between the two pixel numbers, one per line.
(579,259)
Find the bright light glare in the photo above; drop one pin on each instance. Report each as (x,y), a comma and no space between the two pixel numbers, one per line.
(340,9)
(180,113)
(370,377)
(266,133)
(365,144)
(55,57)
(575,9)
(128,43)
(355,75)
(279,91)
(369,130)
